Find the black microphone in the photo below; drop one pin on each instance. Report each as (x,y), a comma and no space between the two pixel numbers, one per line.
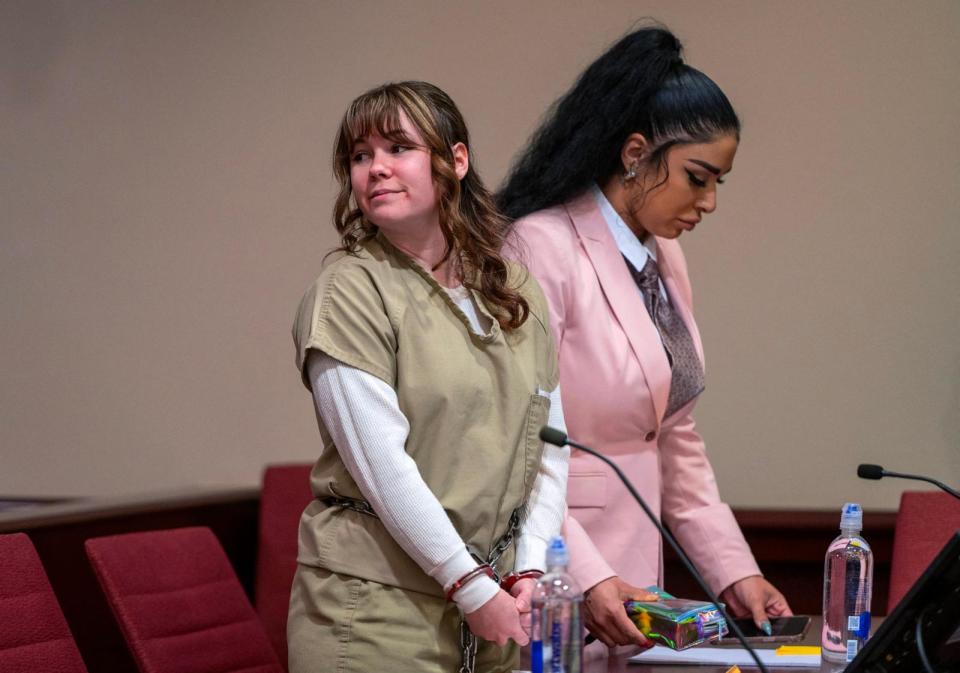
(559,438)
(867,471)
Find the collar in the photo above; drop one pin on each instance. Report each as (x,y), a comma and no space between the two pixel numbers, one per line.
(627,242)
(441,291)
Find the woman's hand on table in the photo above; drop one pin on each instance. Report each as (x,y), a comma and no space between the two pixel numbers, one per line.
(755,597)
(606,617)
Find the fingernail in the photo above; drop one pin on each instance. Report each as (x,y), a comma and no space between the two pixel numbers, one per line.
(765,627)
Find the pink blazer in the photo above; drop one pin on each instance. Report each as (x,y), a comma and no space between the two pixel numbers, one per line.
(615,380)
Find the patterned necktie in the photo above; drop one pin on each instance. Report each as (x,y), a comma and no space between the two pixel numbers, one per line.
(686,380)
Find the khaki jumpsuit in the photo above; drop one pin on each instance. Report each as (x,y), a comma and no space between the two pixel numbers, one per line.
(475,404)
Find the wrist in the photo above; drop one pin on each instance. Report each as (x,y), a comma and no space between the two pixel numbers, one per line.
(476,594)
(511,579)
(482,570)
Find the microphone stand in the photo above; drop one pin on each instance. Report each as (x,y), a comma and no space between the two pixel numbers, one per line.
(559,438)
(877,472)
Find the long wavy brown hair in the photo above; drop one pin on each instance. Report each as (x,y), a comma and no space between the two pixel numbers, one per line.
(472,226)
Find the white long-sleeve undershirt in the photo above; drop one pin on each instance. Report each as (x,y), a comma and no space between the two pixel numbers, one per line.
(364,419)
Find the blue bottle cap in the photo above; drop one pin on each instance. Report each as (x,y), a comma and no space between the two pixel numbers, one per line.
(852,517)
(557,554)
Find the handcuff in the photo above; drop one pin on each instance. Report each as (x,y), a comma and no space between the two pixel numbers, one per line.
(506,583)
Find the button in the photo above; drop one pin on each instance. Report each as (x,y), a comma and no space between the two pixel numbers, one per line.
(650,436)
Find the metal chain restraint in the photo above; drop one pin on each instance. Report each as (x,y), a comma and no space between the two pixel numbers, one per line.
(361,506)
(468,641)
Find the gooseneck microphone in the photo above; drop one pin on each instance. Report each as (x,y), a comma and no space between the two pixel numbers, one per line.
(559,438)
(867,471)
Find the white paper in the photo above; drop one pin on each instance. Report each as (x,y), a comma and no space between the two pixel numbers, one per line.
(724,656)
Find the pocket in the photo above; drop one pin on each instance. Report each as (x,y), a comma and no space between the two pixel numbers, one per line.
(587,489)
(538,410)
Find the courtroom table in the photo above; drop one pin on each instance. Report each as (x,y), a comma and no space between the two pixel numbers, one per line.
(812,638)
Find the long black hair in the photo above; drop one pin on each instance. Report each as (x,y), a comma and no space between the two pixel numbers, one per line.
(639,85)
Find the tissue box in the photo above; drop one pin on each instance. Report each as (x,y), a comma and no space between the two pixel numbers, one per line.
(678,623)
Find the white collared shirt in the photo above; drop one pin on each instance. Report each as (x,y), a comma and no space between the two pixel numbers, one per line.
(627,242)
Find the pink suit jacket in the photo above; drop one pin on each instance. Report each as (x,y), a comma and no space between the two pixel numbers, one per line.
(615,379)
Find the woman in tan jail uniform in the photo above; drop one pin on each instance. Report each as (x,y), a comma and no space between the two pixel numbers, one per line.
(432,368)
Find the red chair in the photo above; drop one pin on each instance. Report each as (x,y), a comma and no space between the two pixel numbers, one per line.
(925,522)
(34,635)
(179,603)
(285,494)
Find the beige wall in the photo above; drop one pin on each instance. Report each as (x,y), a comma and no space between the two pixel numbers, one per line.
(165,198)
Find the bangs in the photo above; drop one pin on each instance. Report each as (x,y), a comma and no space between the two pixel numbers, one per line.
(375,113)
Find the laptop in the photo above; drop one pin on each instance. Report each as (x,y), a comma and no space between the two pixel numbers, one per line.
(936,598)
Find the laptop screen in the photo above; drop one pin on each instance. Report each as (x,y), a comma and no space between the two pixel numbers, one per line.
(934,601)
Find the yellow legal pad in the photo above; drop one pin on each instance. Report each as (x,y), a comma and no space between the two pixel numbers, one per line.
(785,650)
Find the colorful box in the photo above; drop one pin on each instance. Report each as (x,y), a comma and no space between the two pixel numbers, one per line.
(677,623)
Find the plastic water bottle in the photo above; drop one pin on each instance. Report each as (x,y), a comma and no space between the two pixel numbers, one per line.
(847,583)
(556,642)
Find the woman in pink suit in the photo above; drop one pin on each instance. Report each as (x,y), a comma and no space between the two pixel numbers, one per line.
(628,160)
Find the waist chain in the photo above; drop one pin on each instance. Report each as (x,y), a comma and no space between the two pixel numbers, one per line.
(468,641)
(361,506)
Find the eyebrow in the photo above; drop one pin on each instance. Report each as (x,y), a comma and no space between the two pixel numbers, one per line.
(710,167)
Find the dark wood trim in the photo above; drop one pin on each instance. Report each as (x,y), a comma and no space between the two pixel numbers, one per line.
(8,502)
(45,513)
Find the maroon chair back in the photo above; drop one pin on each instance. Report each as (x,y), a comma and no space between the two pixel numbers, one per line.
(179,603)
(925,522)
(34,635)
(285,494)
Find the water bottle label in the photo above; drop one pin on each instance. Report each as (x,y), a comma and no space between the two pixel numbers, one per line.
(853,623)
(864,631)
(851,649)
(556,647)
(536,656)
